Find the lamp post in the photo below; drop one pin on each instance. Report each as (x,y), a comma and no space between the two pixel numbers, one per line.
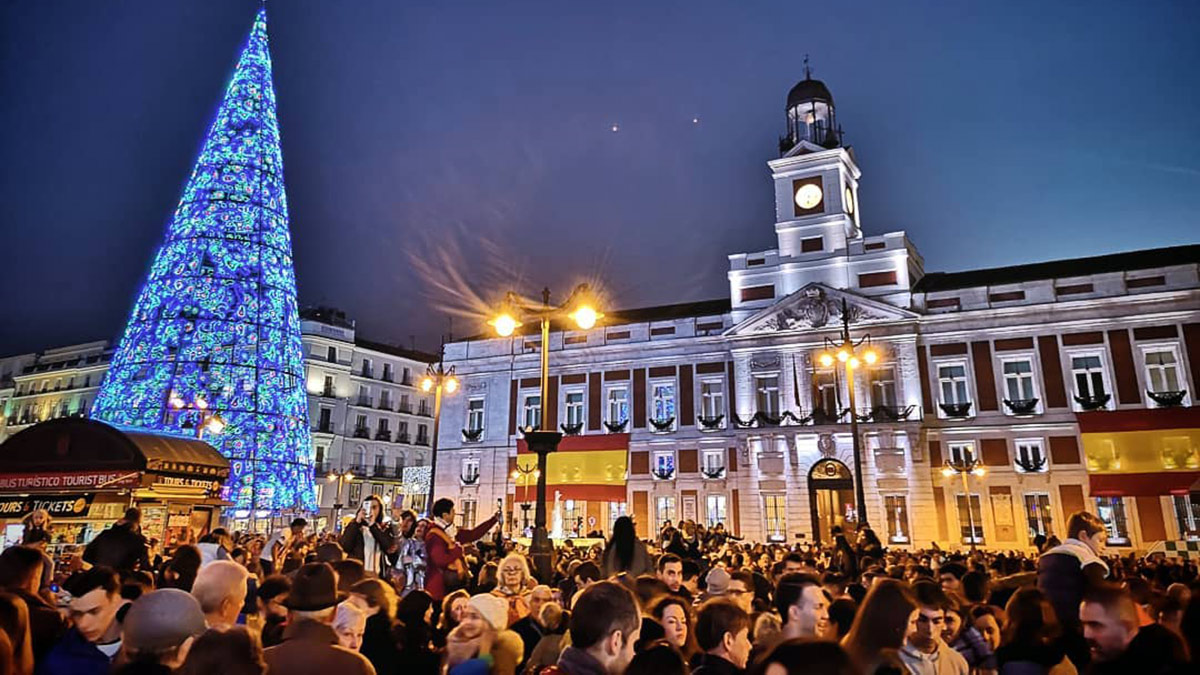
(341,477)
(517,475)
(437,379)
(853,354)
(580,307)
(967,464)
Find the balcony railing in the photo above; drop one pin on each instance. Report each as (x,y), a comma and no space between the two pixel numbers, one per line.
(422,440)
(664,473)
(385,404)
(403,437)
(381,471)
(424,411)
(407,381)
(383,435)
(357,469)
(364,401)
(1097,402)
(328,392)
(362,432)
(387,377)
(1024,406)
(1167,399)
(405,408)
(956,410)
(324,427)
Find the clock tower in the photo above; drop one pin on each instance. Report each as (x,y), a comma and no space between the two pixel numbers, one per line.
(817,220)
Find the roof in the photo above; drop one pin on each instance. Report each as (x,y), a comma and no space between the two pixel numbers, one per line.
(1054,269)
(80,444)
(411,354)
(809,89)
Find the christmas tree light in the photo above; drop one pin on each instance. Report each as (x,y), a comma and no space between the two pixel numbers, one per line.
(215,329)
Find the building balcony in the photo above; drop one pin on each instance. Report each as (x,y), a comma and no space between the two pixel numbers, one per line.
(385,405)
(403,437)
(362,432)
(324,428)
(422,440)
(383,435)
(1024,406)
(328,392)
(387,377)
(364,401)
(960,410)
(404,408)
(424,411)
(358,470)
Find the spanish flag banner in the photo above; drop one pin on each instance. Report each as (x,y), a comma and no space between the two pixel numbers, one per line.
(1141,453)
(589,468)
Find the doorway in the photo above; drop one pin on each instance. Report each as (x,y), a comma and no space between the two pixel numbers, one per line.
(831,499)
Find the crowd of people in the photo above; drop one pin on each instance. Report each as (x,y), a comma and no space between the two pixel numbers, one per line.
(393,593)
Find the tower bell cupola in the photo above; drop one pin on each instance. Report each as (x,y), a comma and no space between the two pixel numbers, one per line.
(810,115)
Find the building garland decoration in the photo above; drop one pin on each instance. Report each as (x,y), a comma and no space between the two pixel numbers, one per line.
(215,328)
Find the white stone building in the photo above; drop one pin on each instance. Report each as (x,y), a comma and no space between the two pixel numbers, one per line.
(55,383)
(721,411)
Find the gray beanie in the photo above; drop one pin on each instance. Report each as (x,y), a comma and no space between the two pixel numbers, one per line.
(161,620)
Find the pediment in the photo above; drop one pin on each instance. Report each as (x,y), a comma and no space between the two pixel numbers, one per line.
(817,306)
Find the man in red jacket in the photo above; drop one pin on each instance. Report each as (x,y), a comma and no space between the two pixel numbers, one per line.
(443,548)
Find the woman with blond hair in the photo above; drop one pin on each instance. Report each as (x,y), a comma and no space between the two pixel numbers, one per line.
(512,586)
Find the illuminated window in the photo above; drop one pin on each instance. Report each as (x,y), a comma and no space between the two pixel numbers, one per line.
(618,405)
(714,511)
(896,508)
(574,408)
(663,401)
(1018,380)
(1162,371)
(664,511)
(532,413)
(1112,511)
(775,517)
(952,380)
(766,390)
(1187,515)
(970,521)
(1037,514)
(883,387)
(475,415)
(712,398)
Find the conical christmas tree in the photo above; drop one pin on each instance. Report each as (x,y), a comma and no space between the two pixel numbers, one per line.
(215,335)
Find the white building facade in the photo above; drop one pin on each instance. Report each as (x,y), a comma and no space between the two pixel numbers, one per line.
(721,411)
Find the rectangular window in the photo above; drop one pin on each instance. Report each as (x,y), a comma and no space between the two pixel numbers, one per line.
(775,516)
(422,434)
(615,510)
(827,392)
(467,508)
(952,380)
(714,510)
(470,470)
(355,494)
(407,376)
(1088,373)
(364,395)
(1037,514)
(896,507)
(475,415)
(367,370)
(574,409)
(1187,515)
(1162,371)
(380,463)
(618,405)
(970,521)
(531,415)
(387,372)
(663,401)
(1112,511)
(1018,380)
(766,390)
(327,390)
(360,422)
(712,462)
(962,454)
(331,354)
(1030,458)
(664,464)
(385,399)
(664,510)
(712,398)
(883,387)
(383,425)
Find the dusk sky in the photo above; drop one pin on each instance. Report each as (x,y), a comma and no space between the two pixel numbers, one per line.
(425,134)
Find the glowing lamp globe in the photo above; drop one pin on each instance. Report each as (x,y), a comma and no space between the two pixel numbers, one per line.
(504,324)
(451,385)
(871,356)
(826,359)
(585,317)
(427,384)
(843,355)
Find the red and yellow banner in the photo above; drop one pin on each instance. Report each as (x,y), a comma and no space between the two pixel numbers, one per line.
(1141,452)
(590,468)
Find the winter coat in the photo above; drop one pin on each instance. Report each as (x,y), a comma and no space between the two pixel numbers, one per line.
(120,547)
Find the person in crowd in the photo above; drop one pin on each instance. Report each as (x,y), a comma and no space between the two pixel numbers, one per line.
(658,659)
(806,656)
(975,587)
(723,636)
(605,625)
(691,578)
(349,623)
(512,586)
(92,642)
(1109,618)
(841,617)
(121,547)
(845,558)
(675,615)
(1029,640)
(38,520)
(272,613)
(180,572)
(483,636)
(39,540)
(216,545)
(1065,572)
(282,546)
(961,635)
(443,546)
(802,605)
(159,630)
(377,599)
(21,574)
(412,558)
(669,570)
(884,622)
(221,590)
(350,571)
(924,653)
(984,619)
(553,621)
(624,552)
(309,643)
(14,623)
(868,544)
(529,627)
(451,613)
(416,636)
(742,590)
(232,650)
(369,537)
(950,575)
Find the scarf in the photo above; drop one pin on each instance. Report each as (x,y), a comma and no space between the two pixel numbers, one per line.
(1081,551)
(371,552)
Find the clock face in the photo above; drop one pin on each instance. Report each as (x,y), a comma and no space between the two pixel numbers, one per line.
(808,196)
(849,201)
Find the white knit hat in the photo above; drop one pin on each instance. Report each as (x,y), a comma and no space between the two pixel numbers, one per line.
(493,609)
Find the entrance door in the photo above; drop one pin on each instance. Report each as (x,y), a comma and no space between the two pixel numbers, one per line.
(831,499)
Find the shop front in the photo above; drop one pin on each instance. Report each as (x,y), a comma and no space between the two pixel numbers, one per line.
(85,474)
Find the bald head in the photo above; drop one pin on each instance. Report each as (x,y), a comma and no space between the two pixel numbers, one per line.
(220,589)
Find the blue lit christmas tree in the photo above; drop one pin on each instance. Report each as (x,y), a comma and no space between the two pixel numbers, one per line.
(215,329)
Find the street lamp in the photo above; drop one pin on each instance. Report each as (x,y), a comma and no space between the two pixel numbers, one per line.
(341,477)
(517,475)
(437,379)
(581,309)
(966,464)
(852,354)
